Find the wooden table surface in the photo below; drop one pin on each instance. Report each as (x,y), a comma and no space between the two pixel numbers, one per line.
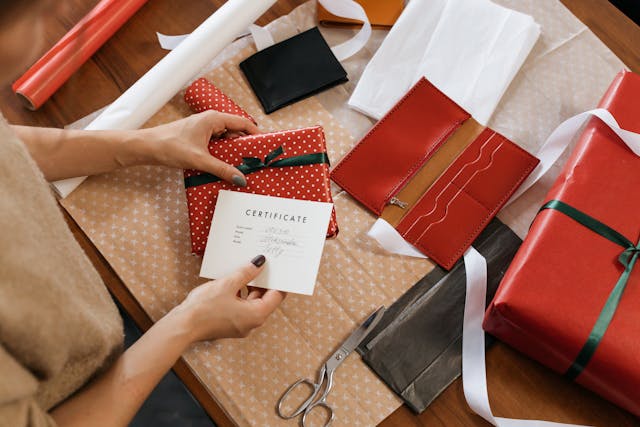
(518,386)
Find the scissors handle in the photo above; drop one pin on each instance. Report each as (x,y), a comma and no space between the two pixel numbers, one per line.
(325,377)
(322,404)
(304,404)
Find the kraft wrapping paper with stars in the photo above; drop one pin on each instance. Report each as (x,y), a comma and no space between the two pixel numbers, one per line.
(138,219)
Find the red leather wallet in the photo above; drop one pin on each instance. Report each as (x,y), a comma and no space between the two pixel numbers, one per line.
(455,206)
(290,163)
(397,146)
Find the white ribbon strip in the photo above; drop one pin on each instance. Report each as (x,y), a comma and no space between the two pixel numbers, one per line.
(392,241)
(562,136)
(261,36)
(474,374)
(170,42)
(351,10)
(263,39)
(389,238)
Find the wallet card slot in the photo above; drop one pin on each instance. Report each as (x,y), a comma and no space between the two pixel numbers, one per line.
(432,169)
(395,149)
(508,167)
(439,212)
(450,214)
(452,221)
(483,161)
(459,174)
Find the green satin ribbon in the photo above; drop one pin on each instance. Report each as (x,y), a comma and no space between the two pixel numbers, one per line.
(627,258)
(254,164)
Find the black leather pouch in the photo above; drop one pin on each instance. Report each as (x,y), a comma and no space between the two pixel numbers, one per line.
(293,69)
(416,348)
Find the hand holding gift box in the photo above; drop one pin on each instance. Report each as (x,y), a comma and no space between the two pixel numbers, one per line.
(290,163)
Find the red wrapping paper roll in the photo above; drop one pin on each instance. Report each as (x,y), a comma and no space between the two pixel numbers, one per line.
(74,49)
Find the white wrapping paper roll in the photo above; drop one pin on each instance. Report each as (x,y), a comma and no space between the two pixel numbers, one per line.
(142,100)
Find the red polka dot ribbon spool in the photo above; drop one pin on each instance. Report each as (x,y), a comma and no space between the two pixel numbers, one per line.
(307,182)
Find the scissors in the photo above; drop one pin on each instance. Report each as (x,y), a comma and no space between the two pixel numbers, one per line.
(325,376)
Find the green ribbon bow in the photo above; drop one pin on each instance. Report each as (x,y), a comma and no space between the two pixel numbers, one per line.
(254,164)
(627,258)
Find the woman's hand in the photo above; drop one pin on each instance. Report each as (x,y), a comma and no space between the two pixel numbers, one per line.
(62,153)
(215,309)
(211,311)
(183,143)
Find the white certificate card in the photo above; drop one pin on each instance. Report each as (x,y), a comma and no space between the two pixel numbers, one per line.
(289,233)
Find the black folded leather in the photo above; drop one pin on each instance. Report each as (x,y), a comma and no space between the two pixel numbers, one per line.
(416,348)
(293,69)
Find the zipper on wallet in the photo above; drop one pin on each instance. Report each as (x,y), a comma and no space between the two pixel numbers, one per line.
(397,202)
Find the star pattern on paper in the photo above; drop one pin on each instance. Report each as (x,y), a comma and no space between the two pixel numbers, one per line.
(138,219)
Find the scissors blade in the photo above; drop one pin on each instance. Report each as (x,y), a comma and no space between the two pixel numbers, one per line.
(362,331)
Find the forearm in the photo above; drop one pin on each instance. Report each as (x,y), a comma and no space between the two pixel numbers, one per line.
(62,153)
(114,398)
(180,144)
(212,310)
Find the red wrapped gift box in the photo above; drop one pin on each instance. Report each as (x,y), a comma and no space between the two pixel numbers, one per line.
(290,163)
(551,298)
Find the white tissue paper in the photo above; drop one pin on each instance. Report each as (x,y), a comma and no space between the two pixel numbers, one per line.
(469,49)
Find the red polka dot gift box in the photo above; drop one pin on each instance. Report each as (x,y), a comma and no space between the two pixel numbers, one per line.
(290,163)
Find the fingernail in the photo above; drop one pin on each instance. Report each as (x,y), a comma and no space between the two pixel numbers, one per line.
(258,261)
(239,180)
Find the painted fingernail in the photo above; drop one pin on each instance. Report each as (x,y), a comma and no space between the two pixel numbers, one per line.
(239,180)
(258,261)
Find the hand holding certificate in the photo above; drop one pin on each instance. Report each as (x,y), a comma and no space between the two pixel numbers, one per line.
(290,233)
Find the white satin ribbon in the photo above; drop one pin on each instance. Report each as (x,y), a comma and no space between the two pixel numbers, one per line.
(352,10)
(261,36)
(168,42)
(391,240)
(263,39)
(474,374)
(562,136)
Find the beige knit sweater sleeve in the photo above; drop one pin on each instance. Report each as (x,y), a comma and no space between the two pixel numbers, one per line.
(18,388)
(59,326)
